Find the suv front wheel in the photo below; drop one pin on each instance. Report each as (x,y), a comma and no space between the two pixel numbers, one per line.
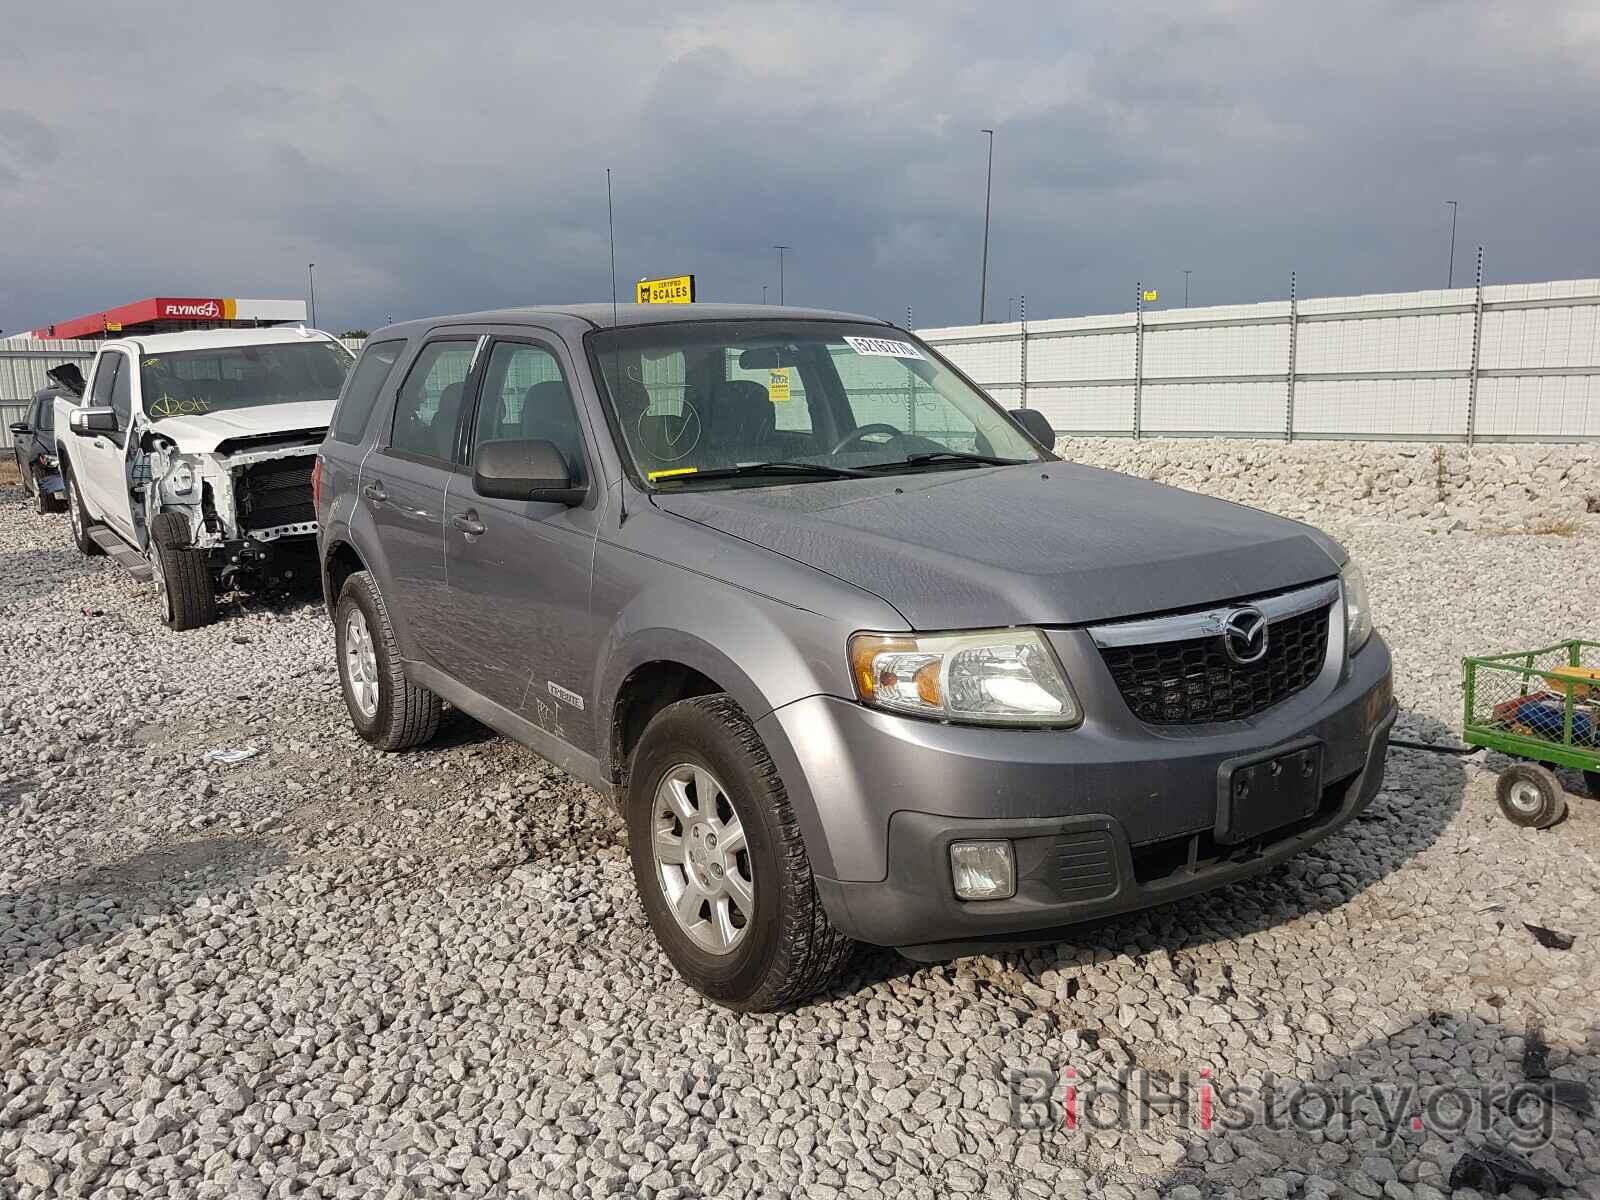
(386,708)
(719,862)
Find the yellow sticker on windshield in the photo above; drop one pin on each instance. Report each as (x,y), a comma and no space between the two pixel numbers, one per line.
(654,475)
(778,384)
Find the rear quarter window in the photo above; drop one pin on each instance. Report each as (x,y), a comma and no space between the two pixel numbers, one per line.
(360,395)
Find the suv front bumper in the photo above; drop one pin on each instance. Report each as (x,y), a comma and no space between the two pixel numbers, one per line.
(1104,819)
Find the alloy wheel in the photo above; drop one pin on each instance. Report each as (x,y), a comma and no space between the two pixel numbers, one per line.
(702,861)
(361,663)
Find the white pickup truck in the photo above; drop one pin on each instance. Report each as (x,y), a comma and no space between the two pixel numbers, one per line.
(189,458)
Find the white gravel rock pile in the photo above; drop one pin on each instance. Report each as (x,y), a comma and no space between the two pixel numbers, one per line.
(1492,487)
(326,972)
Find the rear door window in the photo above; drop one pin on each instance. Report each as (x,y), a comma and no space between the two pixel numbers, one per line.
(366,384)
(429,403)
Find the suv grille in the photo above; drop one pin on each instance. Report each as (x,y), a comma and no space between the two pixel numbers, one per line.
(1194,681)
(277,492)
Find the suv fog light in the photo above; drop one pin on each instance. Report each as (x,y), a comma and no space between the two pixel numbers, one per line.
(983,870)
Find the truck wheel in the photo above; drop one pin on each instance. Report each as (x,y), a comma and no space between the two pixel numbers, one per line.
(41,502)
(1531,796)
(719,862)
(1592,779)
(386,708)
(182,575)
(78,515)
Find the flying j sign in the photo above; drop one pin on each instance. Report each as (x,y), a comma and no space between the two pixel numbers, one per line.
(200,309)
(674,289)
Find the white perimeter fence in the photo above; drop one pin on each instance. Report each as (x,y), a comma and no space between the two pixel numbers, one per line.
(1517,362)
(1513,362)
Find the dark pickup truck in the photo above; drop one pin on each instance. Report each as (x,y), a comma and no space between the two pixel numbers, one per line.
(33,440)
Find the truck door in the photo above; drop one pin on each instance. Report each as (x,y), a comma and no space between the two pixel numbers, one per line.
(521,630)
(101,461)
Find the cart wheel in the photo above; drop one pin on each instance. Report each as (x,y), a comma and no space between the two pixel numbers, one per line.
(1531,796)
(1592,778)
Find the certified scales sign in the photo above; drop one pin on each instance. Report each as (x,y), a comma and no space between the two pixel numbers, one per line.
(673,289)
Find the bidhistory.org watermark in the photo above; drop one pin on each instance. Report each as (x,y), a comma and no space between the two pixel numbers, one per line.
(1068,1101)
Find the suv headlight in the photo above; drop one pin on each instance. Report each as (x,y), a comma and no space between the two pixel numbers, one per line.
(1357,607)
(986,677)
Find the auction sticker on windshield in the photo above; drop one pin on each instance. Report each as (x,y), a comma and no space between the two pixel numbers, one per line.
(778,384)
(883,347)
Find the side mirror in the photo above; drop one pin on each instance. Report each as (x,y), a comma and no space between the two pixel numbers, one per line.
(525,470)
(1036,425)
(91,421)
(21,427)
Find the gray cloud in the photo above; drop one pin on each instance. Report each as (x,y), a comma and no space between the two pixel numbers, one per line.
(454,161)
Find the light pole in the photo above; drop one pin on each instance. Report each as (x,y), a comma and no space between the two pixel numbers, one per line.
(780,250)
(311,275)
(1186,275)
(1450,276)
(988,192)
(763,293)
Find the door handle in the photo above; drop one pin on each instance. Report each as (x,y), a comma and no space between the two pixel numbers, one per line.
(468,523)
(375,493)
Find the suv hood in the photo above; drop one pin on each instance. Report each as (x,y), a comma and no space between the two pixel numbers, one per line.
(1051,544)
(203,434)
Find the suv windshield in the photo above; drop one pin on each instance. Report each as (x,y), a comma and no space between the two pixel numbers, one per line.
(191,383)
(705,398)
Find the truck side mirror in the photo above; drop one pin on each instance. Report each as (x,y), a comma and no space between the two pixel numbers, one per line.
(1036,425)
(21,427)
(92,421)
(531,469)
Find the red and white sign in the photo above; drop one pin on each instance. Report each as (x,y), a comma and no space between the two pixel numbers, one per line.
(200,309)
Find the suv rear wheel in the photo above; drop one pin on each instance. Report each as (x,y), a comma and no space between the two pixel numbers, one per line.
(719,861)
(182,574)
(78,515)
(387,709)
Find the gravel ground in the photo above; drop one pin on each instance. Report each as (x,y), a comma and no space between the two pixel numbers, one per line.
(327,972)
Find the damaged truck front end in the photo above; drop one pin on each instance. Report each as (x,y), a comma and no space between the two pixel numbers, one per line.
(246,505)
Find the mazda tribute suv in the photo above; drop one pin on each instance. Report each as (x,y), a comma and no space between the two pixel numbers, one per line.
(856,655)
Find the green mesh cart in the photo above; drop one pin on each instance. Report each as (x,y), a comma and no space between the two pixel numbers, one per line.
(1541,707)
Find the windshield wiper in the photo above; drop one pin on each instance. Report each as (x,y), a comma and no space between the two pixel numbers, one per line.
(912,460)
(780,467)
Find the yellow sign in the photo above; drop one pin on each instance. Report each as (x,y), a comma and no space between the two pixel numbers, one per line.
(113,326)
(677,289)
(1150,297)
(778,384)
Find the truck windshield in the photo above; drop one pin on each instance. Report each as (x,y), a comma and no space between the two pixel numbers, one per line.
(719,398)
(191,383)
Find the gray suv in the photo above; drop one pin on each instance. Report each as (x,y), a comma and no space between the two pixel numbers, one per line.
(855,654)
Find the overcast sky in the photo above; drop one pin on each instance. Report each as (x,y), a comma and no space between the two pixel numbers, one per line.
(456,160)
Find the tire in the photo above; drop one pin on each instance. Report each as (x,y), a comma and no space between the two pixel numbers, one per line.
(41,502)
(755,961)
(1531,796)
(386,708)
(183,576)
(1592,780)
(78,515)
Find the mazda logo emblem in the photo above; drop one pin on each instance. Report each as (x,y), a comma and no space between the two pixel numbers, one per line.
(1244,634)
